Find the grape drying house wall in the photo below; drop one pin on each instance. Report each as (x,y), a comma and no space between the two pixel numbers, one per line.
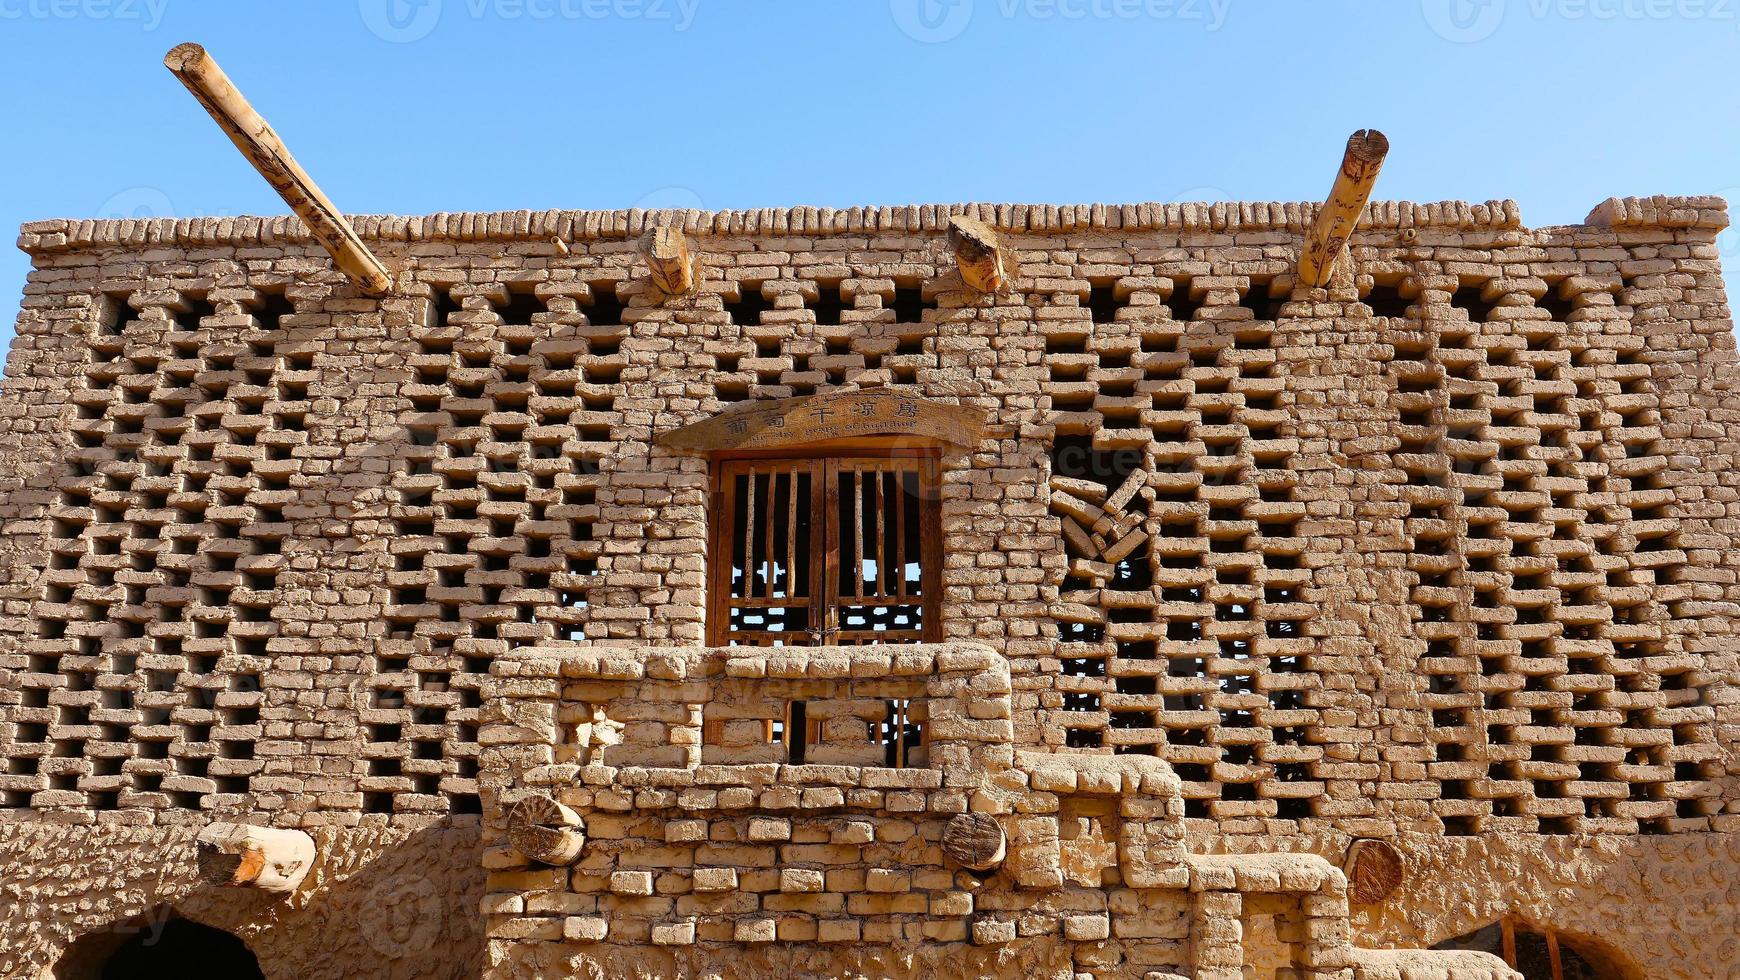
(1150,614)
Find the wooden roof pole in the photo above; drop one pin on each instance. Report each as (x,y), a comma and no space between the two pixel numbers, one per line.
(1340,214)
(268,154)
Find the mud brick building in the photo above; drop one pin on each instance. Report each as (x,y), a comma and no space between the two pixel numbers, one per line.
(761,596)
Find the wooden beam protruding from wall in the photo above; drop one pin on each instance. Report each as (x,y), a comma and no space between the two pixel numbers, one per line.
(546,831)
(268,155)
(666,250)
(977,254)
(1340,214)
(268,858)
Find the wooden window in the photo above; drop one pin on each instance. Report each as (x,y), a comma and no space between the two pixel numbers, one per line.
(825,550)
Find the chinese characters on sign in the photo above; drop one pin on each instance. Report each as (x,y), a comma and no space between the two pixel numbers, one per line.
(839,415)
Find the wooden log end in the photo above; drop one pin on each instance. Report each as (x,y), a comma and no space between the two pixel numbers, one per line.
(185,57)
(546,831)
(241,856)
(1368,146)
(977,254)
(666,250)
(1374,870)
(975,841)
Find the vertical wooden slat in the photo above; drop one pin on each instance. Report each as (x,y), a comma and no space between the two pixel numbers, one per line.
(899,734)
(1508,929)
(768,517)
(749,537)
(1553,955)
(828,493)
(878,505)
(792,572)
(930,540)
(900,532)
(857,533)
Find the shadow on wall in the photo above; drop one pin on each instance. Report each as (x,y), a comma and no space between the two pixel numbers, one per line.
(1533,953)
(158,944)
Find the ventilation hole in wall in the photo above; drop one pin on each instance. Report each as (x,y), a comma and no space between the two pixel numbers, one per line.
(1259,300)
(270,307)
(377,803)
(116,313)
(521,305)
(195,308)
(1468,298)
(746,310)
(605,310)
(1180,304)
(828,305)
(466,803)
(1558,307)
(1103,302)
(1082,738)
(1385,299)
(909,304)
(442,307)
(1081,701)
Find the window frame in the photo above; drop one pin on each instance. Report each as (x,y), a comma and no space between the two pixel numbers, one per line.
(828,454)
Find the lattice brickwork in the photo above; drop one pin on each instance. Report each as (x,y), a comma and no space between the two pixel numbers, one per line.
(1448,547)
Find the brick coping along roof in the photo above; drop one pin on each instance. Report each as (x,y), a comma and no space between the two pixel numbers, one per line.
(64,234)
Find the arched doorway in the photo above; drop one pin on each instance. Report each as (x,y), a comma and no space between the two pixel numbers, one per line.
(158,945)
(1536,955)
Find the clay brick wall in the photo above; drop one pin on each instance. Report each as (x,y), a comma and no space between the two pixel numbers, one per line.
(1445,549)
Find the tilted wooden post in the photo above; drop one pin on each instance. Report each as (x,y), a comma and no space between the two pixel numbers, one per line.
(257,141)
(1340,214)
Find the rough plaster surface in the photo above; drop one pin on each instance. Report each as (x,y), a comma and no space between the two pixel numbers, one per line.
(1653,906)
(380,902)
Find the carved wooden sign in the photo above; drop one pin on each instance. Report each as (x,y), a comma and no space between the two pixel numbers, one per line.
(834,415)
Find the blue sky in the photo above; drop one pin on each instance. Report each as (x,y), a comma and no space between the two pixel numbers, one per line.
(414,106)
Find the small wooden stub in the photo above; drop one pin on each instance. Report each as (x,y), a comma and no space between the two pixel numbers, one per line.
(975,841)
(546,831)
(666,251)
(1374,870)
(1340,214)
(977,254)
(834,415)
(240,856)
